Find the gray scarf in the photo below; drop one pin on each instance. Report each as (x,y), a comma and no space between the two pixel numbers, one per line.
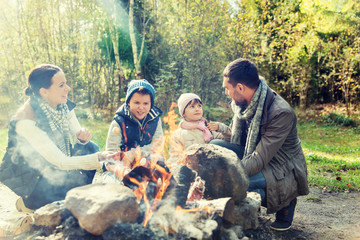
(59,125)
(252,114)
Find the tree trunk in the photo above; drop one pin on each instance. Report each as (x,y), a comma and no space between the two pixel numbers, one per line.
(136,57)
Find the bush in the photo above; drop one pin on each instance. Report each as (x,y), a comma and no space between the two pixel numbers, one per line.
(334,119)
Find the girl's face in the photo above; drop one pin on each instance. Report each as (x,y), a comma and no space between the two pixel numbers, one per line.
(140,105)
(193,112)
(57,93)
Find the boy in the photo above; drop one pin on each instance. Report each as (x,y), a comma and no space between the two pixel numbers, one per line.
(137,123)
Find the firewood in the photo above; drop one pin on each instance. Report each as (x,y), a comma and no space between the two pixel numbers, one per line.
(223,207)
(178,192)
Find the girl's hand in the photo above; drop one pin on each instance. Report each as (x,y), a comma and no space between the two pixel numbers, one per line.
(83,135)
(213,126)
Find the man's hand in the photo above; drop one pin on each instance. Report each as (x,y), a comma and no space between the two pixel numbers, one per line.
(83,135)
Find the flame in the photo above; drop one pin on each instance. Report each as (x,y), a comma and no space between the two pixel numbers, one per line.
(164,183)
(140,191)
(137,157)
(159,175)
(171,119)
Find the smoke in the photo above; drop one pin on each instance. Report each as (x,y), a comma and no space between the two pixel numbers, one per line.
(117,13)
(35,161)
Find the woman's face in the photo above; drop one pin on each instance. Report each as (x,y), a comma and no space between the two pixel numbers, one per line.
(57,93)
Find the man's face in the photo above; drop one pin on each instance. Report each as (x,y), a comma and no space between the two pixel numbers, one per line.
(234,92)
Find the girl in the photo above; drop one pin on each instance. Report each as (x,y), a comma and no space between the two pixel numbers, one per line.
(39,164)
(192,129)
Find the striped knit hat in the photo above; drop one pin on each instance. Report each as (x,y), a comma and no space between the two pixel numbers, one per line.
(136,85)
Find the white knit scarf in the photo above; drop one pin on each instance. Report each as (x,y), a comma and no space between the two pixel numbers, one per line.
(252,113)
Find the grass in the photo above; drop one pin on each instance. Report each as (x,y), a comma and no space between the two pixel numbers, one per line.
(332,152)
(98,130)
(332,155)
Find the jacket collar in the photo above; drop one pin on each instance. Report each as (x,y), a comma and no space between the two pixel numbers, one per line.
(71,105)
(270,97)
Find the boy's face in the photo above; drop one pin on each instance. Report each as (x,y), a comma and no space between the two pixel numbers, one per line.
(193,112)
(140,105)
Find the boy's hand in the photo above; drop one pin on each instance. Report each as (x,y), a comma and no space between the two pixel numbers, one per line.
(83,135)
(213,126)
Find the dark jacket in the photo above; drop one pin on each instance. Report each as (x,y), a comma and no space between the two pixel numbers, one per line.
(278,154)
(135,133)
(22,169)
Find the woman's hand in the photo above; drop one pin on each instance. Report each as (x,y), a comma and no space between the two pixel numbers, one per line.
(213,126)
(109,156)
(83,135)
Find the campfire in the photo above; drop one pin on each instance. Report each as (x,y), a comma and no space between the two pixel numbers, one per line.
(201,199)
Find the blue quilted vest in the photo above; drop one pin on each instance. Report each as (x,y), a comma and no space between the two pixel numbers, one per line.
(133,132)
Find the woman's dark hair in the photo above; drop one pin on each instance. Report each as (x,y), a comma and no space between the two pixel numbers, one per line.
(40,77)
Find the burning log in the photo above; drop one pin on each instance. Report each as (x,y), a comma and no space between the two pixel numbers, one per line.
(183,177)
(221,169)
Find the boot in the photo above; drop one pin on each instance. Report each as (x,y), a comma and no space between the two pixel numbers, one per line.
(20,206)
(284,217)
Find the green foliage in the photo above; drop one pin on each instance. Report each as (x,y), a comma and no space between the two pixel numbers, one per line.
(218,114)
(308,51)
(334,119)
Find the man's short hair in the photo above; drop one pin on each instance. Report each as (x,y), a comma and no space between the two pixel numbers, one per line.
(242,71)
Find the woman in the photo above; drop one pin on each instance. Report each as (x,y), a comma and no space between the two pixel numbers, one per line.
(40,162)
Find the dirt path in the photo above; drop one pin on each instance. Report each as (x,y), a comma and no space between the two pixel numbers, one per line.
(320,215)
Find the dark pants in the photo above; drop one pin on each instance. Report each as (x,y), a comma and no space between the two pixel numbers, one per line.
(257,181)
(55,189)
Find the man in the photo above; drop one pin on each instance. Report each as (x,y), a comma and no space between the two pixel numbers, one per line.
(264,136)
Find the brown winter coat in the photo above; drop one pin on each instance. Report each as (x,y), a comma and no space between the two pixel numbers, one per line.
(278,154)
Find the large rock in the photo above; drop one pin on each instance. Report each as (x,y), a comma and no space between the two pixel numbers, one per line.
(221,169)
(246,213)
(50,215)
(99,206)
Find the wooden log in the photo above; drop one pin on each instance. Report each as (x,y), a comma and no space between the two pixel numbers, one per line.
(223,207)
(178,191)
